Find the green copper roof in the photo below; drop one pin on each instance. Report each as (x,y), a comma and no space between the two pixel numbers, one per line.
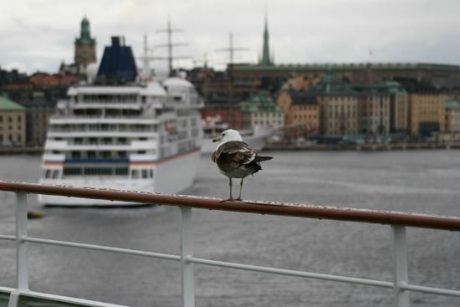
(85,33)
(8,105)
(259,103)
(395,88)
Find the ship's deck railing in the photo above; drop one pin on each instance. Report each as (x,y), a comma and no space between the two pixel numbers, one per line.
(398,221)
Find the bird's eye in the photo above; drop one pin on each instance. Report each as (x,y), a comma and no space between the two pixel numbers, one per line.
(223,134)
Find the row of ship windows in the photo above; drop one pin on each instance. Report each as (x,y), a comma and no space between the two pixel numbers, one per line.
(99,171)
(98,141)
(93,155)
(103,127)
(117,98)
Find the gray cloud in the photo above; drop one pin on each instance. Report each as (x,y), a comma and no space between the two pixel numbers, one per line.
(38,34)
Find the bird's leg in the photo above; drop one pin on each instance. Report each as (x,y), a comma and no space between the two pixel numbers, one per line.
(241,188)
(230,184)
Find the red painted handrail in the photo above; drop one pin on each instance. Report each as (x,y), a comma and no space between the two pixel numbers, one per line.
(273,208)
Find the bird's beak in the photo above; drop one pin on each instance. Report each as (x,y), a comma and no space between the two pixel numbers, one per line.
(216,139)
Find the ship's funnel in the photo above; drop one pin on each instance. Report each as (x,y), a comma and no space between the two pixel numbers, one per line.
(117,65)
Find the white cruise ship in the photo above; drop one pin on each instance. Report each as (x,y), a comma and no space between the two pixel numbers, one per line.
(131,136)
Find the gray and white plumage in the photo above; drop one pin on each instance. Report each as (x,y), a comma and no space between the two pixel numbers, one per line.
(235,158)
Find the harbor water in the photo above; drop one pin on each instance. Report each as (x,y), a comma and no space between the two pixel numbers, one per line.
(417,181)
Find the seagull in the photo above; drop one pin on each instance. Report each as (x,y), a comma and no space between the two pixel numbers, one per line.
(235,158)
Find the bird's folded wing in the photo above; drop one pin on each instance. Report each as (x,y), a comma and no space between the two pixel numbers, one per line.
(239,152)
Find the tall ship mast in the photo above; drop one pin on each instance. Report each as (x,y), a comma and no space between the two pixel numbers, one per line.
(122,133)
(170,47)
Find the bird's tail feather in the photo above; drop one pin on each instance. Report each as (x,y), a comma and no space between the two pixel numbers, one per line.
(262,158)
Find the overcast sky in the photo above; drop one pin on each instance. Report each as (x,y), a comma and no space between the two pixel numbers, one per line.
(39,34)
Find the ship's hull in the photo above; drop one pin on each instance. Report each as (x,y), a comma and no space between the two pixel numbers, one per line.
(172,175)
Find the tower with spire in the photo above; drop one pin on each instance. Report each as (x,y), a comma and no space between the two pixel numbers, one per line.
(266,59)
(85,47)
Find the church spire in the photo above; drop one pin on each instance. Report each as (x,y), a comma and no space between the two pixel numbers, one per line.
(266,60)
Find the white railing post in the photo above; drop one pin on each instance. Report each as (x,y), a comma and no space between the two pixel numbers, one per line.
(401,296)
(22,272)
(186,251)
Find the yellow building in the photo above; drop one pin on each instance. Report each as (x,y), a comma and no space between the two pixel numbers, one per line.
(12,123)
(339,114)
(426,114)
(301,114)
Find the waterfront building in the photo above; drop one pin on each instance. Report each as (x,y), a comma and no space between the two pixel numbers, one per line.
(339,114)
(399,107)
(8,77)
(299,83)
(440,75)
(426,114)
(85,47)
(301,112)
(261,111)
(452,118)
(38,112)
(12,123)
(42,80)
(373,110)
(338,103)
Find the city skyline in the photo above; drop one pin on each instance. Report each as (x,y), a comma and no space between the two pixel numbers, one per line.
(32,39)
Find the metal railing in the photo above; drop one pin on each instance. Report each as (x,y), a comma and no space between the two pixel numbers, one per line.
(397,220)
